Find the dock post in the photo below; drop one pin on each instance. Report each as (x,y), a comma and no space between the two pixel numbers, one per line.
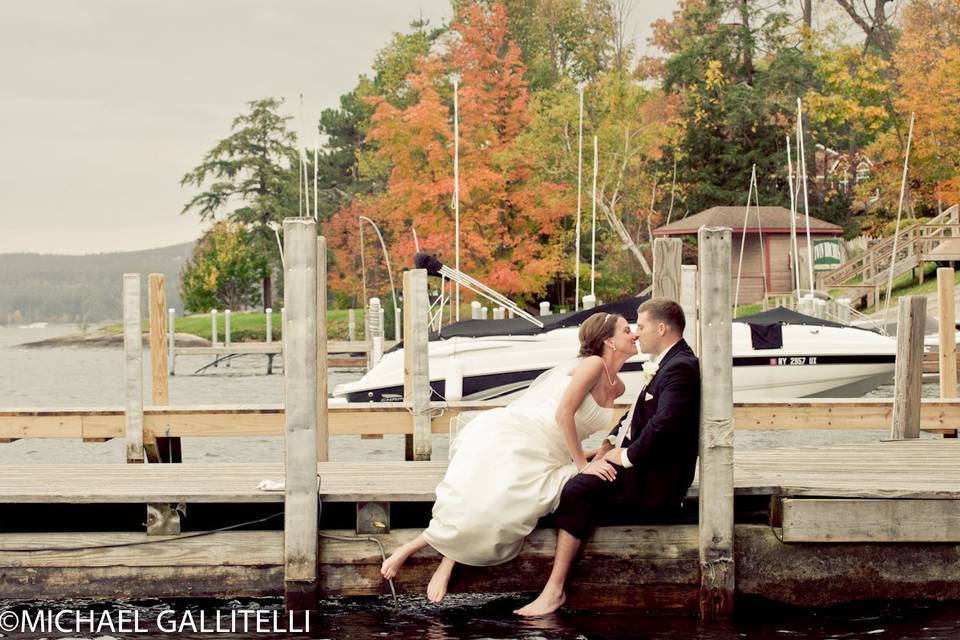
(301,507)
(908,376)
(948,337)
(213,327)
(717,570)
(133,369)
(323,432)
(688,300)
(667,254)
(397,324)
(269,327)
(374,333)
(159,449)
(172,355)
(416,371)
(351,324)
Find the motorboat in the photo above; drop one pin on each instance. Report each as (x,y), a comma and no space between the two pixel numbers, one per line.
(776,354)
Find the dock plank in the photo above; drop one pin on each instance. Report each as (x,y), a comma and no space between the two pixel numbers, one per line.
(907,469)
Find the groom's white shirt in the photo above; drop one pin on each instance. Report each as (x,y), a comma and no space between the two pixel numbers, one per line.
(625,425)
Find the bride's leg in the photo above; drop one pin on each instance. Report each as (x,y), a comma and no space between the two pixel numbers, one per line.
(392,565)
(437,588)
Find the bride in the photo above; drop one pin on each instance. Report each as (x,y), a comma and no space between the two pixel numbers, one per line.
(511,463)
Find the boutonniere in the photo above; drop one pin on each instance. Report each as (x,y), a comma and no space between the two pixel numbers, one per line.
(649,370)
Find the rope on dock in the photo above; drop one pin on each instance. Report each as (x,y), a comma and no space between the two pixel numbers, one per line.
(138,543)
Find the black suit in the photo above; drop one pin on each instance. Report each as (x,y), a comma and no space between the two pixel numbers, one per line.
(663,449)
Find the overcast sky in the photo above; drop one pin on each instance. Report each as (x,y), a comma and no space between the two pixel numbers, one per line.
(105,104)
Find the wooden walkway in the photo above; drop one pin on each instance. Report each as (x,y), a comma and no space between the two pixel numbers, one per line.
(919,469)
(851,502)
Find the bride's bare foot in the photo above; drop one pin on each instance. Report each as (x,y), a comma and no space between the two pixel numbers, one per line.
(437,588)
(547,602)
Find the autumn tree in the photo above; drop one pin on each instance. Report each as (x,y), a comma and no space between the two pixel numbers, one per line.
(223,271)
(250,177)
(736,75)
(927,59)
(509,236)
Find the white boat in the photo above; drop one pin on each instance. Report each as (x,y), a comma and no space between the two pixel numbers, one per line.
(497,359)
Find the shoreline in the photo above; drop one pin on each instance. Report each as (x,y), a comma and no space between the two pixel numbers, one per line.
(100,339)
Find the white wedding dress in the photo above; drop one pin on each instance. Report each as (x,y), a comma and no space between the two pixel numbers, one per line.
(507,470)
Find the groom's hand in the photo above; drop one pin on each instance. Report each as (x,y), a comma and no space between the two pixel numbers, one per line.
(600,468)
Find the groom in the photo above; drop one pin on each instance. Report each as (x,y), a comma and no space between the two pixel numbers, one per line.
(655,445)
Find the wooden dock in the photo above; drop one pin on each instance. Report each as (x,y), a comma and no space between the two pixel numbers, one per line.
(890,509)
(807,526)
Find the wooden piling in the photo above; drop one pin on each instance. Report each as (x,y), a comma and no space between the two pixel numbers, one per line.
(948,340)
(352,325)
(416,373)
(323,432)
(159,448)
(717,570)
(301,511)
(908,376)
(667,258)
(688,300)
(133,370)
(172,339)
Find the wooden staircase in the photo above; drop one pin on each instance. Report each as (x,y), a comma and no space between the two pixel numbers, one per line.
(866,275)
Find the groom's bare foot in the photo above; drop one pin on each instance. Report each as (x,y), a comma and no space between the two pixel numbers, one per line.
(391,566)
(437,588)
(546,603)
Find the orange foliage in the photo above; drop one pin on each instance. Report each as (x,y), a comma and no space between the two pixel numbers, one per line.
(510,234)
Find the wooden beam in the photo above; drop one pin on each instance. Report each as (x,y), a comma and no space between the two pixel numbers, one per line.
(946,300)
(323,419)
(160,449)
(416,372)
(301,512)
(717,570)
(689,282)
(908,378)
(832,520)
(667,258)
(936,416)
(133,367)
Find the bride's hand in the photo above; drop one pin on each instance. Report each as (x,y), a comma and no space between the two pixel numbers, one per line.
(600,468)
(590,454)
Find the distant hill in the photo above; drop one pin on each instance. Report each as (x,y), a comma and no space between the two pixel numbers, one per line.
(85,289)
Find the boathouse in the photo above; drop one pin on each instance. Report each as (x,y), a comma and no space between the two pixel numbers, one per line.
(770,269)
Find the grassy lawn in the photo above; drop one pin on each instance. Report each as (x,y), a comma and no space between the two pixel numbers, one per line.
(252,326)
(907,285)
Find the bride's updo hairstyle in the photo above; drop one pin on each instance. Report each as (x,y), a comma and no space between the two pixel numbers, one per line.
(594,331)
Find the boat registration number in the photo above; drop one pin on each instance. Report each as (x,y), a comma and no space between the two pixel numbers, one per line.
(793,360)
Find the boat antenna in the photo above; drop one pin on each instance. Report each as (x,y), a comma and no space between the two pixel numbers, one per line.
(593,224)
(576,250)
(436,268)
(896,232)
(386,257)
(673,188)
(793,218)
(802,171)
(456,184)
(316,165)
(743,235)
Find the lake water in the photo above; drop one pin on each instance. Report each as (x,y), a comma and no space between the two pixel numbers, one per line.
(93,377)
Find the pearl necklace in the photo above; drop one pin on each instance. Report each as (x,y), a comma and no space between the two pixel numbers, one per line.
(607,371)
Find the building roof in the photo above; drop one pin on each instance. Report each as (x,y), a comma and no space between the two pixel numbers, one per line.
(772,220)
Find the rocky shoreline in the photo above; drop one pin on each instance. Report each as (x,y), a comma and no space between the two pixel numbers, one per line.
(107,339)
